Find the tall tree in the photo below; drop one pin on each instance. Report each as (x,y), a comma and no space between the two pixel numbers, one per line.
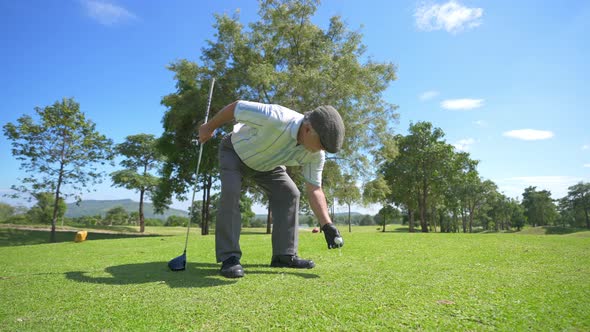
(415,174)
(178,144)
(331,179)
(348,193)
(282,58)
(475,193)
(539,207)
(579,196)
(141,157)
(63,149)
(386,215)
(42,211)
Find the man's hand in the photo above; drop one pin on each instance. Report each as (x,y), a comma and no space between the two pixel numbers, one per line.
(331,233)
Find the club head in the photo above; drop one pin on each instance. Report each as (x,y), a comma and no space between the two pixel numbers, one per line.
(178,263)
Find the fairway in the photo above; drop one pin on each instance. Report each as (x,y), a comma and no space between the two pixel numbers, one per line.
(377,282)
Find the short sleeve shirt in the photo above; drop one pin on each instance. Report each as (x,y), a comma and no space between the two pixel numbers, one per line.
(265,137)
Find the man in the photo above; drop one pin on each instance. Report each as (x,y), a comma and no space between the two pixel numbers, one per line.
(265,140)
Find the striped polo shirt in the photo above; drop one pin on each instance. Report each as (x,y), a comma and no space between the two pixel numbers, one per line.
(265,137)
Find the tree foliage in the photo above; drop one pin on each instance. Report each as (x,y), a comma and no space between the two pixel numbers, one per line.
(140,157)
(62,150)
(42,211)
(6,211)
(282,58)
(539,208)
(578,202)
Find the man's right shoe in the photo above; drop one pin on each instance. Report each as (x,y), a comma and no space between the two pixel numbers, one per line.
(291,261)
(231,268)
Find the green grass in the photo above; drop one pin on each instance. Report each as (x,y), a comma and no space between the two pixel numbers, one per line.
(377,282)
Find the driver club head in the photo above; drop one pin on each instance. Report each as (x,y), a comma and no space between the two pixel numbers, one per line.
(178,263)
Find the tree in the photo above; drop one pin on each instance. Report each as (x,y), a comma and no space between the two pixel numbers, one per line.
(416,175)
(282,58)
(538,207)
(42,212)
(177,221)
(246,210)
(63,149)
(348,193)
(579,197)
(475,192)
(331,179)
(377,191)
(141,156)
(178,144)
(386,215)
(6,211)
(116,216)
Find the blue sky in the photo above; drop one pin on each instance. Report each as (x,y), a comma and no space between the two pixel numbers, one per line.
(505,80)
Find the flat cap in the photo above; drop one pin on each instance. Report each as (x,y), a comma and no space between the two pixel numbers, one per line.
(326,121)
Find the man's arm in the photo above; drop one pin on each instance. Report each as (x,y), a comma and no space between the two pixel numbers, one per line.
(317,200)
(222,117)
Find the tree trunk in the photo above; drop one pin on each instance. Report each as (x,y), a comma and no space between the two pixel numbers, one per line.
(268,219)
(464,220)
(56,204)
(384,223)
(141,217)
(349,223)
(423,207)
(411,220)
(587,219)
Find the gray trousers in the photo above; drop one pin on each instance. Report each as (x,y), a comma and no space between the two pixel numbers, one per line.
(284,205)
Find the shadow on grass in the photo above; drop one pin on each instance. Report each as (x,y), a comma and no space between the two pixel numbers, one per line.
(195,275)
(394,230)
(21,237)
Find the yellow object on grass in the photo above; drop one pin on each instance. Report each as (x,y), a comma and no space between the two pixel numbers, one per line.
(80,236)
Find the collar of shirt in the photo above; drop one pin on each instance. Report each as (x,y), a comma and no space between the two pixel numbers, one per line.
(295,129)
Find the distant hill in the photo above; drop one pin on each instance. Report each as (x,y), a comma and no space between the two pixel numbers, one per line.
(96,207)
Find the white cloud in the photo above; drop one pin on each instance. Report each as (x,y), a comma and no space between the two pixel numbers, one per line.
(586,165)
(428,95)
(461,104)
(585,147)
(451,16)
(464,144)
(557,184)
(529,134)
(481,123)
(107,13)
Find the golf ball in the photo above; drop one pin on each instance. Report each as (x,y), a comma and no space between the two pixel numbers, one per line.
(338,240)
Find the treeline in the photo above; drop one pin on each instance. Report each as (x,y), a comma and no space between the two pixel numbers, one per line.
(439,189)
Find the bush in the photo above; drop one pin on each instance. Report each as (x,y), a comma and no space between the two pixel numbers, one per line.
(257,222)
(19,219)
(154,222)
(176,221)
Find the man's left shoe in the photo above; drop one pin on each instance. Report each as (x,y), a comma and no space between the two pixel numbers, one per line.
(291,261)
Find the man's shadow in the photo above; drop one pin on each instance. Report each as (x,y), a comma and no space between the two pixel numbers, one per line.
(195,275)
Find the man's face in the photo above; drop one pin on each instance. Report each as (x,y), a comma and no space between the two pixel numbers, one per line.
(311,139)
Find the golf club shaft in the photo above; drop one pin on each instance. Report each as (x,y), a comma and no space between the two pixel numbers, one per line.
(198,166)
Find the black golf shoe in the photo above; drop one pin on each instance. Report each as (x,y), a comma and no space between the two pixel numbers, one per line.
(291,261)
(231,268)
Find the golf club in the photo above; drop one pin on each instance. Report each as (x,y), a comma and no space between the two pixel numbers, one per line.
(179,263)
